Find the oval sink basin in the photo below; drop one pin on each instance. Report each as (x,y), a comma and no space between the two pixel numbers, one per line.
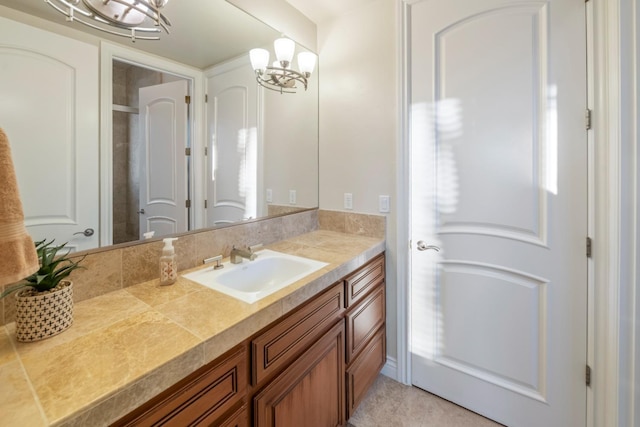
(251,281)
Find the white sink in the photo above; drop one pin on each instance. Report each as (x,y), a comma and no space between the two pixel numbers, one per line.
(251,281)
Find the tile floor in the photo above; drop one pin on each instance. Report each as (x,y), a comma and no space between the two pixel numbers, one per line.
(391,404)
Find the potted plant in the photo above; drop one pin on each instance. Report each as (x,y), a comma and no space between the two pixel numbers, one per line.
(44,300)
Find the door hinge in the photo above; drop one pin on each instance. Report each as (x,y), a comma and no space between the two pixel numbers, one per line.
(587,119)
(587,375)
(187,151)
(589,247)
(206,98)
(205,204)
(187,99)
(188,203)
(206,151)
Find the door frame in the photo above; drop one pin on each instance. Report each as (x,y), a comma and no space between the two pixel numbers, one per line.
(108,53)
(613,183)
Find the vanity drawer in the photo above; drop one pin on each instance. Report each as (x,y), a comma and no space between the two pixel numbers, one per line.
(199,399)
(362,281)
(282,342)
(365,369)
(363,321)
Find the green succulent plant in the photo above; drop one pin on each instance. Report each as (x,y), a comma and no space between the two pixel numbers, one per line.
(53,268)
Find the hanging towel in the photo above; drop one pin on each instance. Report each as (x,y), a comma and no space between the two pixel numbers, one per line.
(18,257)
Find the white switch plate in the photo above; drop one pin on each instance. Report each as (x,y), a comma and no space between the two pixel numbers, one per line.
(348,201)
(292,197)
(383,204)
(269,195)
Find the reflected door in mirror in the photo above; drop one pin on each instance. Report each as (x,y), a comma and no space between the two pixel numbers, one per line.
(234,163)
(163,177)
(49,110)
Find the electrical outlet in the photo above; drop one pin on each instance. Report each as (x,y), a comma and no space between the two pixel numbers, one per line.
(348,201)
(269,195)
(292,197)
(383,204)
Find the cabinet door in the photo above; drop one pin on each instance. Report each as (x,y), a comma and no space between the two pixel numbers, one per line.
(311,391)
(364,371)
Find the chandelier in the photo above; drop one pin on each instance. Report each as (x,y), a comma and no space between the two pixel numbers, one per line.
(137,19)
(280,76)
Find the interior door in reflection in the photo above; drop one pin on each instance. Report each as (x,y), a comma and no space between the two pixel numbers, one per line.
(163,174)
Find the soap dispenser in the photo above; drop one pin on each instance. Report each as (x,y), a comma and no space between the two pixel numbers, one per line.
(168,263)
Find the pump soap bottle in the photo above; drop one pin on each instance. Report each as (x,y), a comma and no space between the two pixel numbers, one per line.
(168,263)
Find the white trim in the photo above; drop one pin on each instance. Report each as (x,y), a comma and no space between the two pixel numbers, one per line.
(606,212)
(403,174)
(390,369)
(108,52)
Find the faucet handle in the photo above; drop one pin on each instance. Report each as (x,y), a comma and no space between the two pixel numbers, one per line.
(216,259)
(255,247)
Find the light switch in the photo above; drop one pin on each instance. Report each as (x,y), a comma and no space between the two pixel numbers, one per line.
(383,204)
(348,201)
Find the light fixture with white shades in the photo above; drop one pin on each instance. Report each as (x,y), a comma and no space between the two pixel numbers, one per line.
(137,19)
(280,76)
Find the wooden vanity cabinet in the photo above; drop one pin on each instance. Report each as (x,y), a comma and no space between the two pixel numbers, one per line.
(310,368)
(201,399)
(310,392)
(366,351)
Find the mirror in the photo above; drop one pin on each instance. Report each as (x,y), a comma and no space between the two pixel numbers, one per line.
(277,156)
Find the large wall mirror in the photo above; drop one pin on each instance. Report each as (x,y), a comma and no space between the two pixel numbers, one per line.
(115,140)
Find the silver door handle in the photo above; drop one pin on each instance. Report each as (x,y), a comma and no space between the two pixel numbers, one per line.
(141,211)
(422,246)
(87,233)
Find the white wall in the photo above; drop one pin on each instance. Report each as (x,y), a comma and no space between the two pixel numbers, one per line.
(358,121)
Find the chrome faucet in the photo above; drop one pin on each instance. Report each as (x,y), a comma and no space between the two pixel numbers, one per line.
(237,254)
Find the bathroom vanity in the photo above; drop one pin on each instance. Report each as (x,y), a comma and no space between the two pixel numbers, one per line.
(312,367)
(185,353)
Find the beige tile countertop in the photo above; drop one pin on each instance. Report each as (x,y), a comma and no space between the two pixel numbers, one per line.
(129,345)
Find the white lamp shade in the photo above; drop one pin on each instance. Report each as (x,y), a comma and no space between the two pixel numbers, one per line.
(306,62)
(284,49)
(259,59)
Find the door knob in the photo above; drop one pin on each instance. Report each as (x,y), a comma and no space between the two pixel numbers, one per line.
(141,211)
(422,246)
(87,233)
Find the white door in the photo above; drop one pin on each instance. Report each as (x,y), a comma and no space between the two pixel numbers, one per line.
(232,170)
(49,111)
(163,176)
(498,315)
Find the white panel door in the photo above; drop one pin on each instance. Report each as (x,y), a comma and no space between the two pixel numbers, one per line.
(498,315)
(163,175)
(49,110)
(232,169)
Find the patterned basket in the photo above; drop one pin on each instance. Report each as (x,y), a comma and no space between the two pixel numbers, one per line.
(44,314)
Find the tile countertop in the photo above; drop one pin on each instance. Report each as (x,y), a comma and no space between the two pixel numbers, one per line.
(129,345)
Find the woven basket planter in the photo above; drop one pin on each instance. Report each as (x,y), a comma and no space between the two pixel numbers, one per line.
(41,315)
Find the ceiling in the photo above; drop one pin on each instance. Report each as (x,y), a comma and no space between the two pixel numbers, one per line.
(203,32)
(319,11)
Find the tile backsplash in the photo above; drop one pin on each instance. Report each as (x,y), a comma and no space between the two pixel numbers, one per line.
(117,268)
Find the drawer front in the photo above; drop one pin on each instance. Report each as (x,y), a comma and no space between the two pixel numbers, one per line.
(276,347)
(364,370)
(363,321)
(199,399)
(240,418)
(362,281)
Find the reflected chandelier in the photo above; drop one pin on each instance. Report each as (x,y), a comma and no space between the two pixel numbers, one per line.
(280,77)
(137,19)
